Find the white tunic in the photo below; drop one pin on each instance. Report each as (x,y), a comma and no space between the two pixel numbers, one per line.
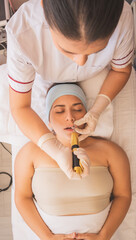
(33,60)
(31,50)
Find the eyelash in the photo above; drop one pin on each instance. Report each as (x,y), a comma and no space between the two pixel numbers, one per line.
(79,110)
(59,112)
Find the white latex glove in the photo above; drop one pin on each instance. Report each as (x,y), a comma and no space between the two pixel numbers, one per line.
(92,116)
(61,154)
(84,160)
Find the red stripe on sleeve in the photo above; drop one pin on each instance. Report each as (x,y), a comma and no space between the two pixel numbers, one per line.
(18,81)
(123,57)
(122,63)
(18,91)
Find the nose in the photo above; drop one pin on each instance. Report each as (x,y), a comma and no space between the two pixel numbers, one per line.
(70,117)
(80,59)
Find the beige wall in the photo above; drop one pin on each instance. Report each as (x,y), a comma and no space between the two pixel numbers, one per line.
(17,3)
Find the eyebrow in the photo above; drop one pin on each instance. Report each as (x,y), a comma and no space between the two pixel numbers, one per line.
(77,53)
(62,105)
(66,50)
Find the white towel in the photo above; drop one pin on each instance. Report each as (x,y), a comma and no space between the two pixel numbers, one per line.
(91,223)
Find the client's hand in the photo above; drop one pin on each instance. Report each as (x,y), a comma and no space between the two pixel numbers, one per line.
(61,154)
(62,236)
(91,117)
(84,160)
(89,236)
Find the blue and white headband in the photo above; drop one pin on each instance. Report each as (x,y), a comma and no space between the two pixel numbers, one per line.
(61,90)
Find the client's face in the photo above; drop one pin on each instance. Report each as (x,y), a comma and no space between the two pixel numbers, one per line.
(65,110)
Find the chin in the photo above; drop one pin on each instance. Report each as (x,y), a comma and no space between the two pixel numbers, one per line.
(68,136)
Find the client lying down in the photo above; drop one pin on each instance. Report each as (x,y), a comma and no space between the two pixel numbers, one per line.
(57,208)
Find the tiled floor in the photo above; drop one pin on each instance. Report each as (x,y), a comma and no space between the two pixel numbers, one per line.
(5,197)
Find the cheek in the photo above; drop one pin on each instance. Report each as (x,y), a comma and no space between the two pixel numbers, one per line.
(56,122)
(80,115)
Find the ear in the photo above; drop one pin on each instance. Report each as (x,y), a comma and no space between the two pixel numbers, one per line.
(42,3)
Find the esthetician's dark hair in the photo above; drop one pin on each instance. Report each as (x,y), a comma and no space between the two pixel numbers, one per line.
(83,19)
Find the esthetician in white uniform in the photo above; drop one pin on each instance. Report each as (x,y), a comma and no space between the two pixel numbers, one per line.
(63,41)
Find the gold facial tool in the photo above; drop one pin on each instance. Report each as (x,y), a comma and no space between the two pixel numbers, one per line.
(78,168)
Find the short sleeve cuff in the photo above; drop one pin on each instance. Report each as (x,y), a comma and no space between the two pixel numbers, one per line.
(20,87)
(123,62)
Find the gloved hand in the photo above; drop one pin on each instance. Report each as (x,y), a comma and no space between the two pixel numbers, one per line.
(84,160)
(92,116)
(61,154)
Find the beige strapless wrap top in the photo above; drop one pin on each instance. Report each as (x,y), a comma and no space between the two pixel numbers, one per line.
(57,195)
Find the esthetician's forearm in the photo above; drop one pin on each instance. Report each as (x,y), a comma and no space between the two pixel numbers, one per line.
(27,120)
(30,124)
(115,81)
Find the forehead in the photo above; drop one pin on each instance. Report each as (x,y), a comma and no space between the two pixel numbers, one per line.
(66,100)
(78,47)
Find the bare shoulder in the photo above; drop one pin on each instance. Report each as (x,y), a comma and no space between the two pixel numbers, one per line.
(115,153)
(31,155)
(23,158)
(106,151)
(27,155)
(28,151)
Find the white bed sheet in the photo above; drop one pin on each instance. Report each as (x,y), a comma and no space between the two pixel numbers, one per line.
(9,132)
(124,134)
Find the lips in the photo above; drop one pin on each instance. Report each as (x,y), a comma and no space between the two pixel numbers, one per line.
(69,128)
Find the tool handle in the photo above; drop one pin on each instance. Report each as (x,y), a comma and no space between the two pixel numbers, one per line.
(75,161)
(76,164)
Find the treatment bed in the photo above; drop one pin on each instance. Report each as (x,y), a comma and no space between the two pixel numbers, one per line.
(124,133)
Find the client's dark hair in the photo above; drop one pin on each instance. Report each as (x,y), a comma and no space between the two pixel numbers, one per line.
(83,19)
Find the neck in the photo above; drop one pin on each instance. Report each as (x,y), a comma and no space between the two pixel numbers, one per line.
(84,143)
(65,142)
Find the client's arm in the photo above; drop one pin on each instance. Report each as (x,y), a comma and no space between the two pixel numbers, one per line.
(120,171)
(24,170)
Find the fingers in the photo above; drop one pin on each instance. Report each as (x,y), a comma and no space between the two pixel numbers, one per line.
(84,160)
(81,236)
(85,130)
(86,168)
(82,155)
(80,121)
(73,175)
(85,164)
(88,236)
(90,122)
(70,236)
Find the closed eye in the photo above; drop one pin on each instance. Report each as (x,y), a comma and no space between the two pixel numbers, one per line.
(78,110)
(59,111)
